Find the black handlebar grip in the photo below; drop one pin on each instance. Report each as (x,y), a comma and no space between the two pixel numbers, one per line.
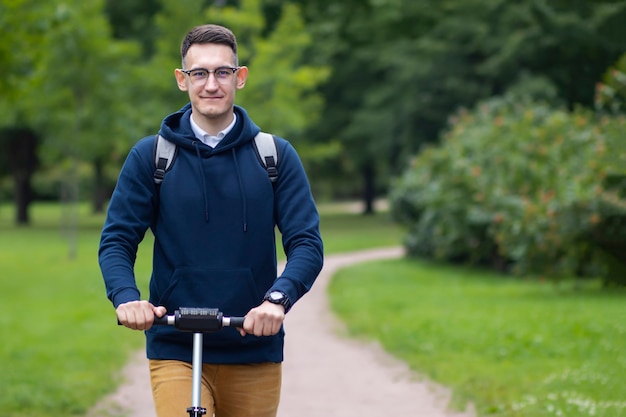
(158,321)
(161,321)
(236,321)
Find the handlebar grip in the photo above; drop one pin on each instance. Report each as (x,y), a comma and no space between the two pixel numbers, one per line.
(234,321)
(162,321)
(158,321)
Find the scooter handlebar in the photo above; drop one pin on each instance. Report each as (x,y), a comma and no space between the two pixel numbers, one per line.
(203,320)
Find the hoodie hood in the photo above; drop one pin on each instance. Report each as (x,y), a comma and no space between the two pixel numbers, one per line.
(177,129)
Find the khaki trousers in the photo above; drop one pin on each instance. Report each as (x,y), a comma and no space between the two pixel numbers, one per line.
(248,390)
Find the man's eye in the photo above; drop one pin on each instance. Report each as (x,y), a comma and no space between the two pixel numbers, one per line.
(199,74)
(222,72)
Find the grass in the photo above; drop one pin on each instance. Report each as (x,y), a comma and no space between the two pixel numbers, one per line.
(345,232)
(60,345)
(61,349)
(512,347)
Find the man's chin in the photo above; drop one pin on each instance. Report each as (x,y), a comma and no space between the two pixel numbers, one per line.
(213,112)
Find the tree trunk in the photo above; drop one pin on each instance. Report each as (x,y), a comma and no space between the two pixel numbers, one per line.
(23,197)
(100,196)
(369,188)
(20,145)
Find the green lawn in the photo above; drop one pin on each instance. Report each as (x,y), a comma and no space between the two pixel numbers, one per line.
(61,347)
(60,344)
(513,347)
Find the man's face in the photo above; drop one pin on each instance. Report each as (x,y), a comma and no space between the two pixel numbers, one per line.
(211,100)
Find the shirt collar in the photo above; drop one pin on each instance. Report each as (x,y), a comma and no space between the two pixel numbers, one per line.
(208,139)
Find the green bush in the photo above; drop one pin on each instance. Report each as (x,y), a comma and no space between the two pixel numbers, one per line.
(520,186)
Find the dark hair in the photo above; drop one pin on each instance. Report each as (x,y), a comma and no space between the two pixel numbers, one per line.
(209,34)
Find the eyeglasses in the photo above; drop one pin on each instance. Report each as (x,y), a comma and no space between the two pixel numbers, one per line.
(199,76)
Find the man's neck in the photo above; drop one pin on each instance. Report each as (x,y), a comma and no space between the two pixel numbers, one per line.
(213,126)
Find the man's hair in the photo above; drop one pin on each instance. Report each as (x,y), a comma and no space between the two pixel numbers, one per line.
(209,34)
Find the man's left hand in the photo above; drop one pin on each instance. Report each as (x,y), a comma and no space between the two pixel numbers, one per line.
(264,320)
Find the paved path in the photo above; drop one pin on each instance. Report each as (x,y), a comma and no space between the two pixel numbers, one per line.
(324,374)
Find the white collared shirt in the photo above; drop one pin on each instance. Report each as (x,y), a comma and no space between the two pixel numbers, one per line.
(208,139)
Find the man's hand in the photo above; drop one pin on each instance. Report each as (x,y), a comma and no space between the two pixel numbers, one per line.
(138,315)
(264,320)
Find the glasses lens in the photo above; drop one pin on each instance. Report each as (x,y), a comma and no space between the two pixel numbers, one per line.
(222,74)
(199,75)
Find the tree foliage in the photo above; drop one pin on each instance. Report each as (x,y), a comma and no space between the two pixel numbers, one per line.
(611,92)
(280,93)
(400,68)
(23,24)
(91,91)
(23,27)
(359,85)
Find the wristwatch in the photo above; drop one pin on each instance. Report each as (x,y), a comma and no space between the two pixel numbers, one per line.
(278,297)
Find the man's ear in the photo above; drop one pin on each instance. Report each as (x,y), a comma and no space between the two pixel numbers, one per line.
(242,76)
(181,80)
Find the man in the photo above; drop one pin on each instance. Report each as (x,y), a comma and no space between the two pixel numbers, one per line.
(213,220)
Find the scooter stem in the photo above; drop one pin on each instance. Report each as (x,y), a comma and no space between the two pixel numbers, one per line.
(196,409)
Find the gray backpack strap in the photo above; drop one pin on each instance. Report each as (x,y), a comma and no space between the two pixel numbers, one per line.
(164,155)
(267,151)
(264,145)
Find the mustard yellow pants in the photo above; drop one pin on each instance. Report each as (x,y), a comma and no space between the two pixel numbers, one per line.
(249,390)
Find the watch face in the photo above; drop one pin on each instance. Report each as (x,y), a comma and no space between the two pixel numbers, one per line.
(275,295)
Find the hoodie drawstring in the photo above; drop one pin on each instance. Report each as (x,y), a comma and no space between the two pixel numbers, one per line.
(201,172)
(243,194)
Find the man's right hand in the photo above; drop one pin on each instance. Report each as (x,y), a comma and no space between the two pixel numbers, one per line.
(138,315)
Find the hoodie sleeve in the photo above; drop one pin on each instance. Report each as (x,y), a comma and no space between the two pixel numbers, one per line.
(298,222)
(129,215)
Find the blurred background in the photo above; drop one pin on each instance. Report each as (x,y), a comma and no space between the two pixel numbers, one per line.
(486,137)
(520,105)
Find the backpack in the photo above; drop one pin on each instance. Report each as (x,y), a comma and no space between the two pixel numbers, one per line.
(264,145)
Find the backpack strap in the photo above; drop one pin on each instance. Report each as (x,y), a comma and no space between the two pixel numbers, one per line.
(164,155)
(265,147)
(267,151)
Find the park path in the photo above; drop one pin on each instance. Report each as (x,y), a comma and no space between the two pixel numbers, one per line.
(324,373)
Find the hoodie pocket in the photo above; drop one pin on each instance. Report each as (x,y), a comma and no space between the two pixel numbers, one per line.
(231,290)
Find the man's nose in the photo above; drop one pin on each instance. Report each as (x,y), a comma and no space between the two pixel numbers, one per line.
(211,82)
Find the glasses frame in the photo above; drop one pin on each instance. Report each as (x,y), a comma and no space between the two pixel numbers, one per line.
(233,71)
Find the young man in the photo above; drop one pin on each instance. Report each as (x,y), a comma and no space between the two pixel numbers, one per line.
(213,220)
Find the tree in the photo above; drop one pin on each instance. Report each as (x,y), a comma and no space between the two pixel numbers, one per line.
(23,23)
(280,93)
(402,67)
(611,92)
(133,20)
(20,144)
(88,90)
(70,83)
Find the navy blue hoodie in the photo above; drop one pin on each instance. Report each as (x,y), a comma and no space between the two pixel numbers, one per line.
(214,235)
